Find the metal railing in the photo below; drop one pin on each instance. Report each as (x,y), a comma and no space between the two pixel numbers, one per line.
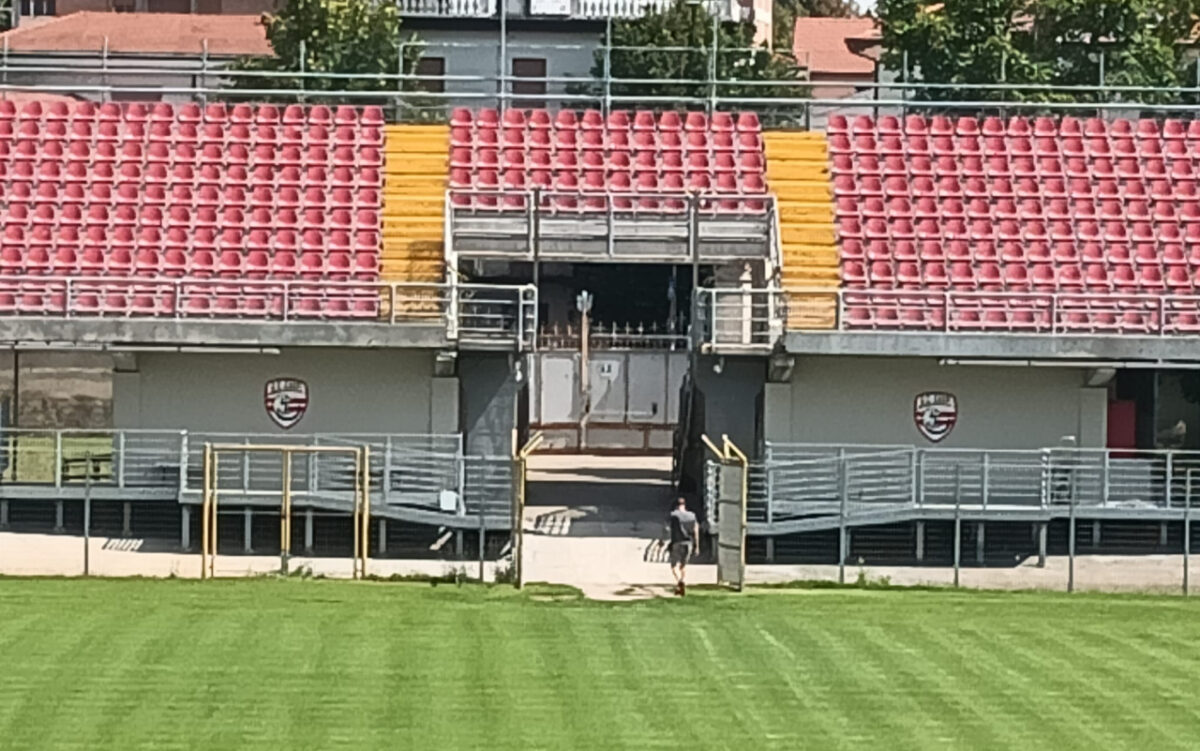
(1055,313)
(792,101)
(601,225)
(801,481)
(421,472)
(667,336)
(471,313)
(728,319)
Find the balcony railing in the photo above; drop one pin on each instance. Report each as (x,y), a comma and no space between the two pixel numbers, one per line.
(738,319)
(471,313)
(1060,313)
(610,225)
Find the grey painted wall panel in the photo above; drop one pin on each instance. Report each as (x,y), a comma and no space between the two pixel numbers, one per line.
(350,390)
(489,403)
(870,400)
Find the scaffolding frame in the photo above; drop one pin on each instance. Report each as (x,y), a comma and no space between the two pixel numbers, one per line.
(211,496)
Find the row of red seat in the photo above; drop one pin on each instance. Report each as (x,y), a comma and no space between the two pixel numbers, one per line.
(57,132)
(232,262)
(1021,276)
(1016,317)
(617,120)
(1018,251)
(193,113)
(230,302)
(1015,127)
(750,162)
(622,191)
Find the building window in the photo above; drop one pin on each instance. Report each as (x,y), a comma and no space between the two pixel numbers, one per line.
(32,8)
(534,69)
(435,68)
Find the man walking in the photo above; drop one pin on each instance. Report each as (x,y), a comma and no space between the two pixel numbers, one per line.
(685,539)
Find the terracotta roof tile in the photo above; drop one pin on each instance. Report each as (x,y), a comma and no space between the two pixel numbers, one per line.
(147,33)
(835,45)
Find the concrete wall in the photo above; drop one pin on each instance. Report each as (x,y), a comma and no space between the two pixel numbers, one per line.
(870,400)
(349,390)
(476,52)
(731,398)
(489,406)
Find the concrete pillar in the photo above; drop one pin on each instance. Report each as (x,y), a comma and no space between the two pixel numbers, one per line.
(308,531)
(458,544)
(1162,534)
(247,525)
(127,519)
(381,548)
(1095,533)
(1041,528)
(770,550)
(444,406)
(979,543)
(58,516)
(777,412)
(3,514)
(920,542)
(185,528)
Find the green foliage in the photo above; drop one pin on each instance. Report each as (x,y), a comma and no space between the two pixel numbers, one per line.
(676,44)
(358,37)
(1044,42)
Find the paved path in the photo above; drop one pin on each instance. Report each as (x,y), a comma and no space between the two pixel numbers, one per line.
(596,522)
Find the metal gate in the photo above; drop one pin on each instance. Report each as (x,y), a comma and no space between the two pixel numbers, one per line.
(626,399)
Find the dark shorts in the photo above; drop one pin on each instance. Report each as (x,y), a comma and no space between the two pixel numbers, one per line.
(680,553)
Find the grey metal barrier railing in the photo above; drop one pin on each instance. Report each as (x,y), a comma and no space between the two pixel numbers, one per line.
(495,313)
(731,319)
(804,480)
(603,224)
(999,313)
(424,472)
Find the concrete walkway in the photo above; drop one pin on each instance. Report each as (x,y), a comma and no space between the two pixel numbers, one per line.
(596,522)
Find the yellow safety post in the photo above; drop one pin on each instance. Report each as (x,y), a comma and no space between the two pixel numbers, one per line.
(518,522)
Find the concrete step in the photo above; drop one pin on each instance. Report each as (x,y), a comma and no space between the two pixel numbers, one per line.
(808,233)
(805,213)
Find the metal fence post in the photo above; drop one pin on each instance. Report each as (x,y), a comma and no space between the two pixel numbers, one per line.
(58,458)
(842,492)
(120,468)
(183,460)
(87,514)
(957,522)
(387,469)
(983,489)
(1187,529)
(1071,544)
(482,542)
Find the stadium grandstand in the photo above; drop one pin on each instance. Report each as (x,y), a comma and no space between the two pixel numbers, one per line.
(897,319)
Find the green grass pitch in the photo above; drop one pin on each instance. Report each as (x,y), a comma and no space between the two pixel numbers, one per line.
(271,664)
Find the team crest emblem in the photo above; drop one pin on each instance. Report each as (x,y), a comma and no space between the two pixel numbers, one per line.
(935,413)
(286,400)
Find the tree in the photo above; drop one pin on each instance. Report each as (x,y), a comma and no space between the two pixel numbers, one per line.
(959,42)
(785,12)
(675,45)
(1037,42)
(360,37)
(1138,38)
